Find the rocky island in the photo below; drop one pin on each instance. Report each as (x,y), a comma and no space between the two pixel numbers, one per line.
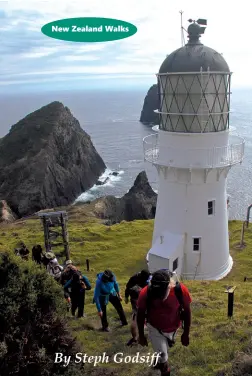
(139,203)
(47,160)
(151,103)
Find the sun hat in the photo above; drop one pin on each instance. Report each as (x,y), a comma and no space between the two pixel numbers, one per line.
(49,255)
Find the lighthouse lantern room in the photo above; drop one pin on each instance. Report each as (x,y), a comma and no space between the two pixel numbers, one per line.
(193,152)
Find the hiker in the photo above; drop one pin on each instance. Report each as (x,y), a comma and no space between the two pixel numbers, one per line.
(37,254)
(133,288)
(166,304)
(107,290)
(52,266)
(65,277)
(23,252)
(78,284)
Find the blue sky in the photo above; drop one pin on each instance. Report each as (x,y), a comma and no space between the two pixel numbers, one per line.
(30,59)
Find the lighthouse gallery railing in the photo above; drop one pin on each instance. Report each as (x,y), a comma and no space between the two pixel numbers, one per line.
(219,156)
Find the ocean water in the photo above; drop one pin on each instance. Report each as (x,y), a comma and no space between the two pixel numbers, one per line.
(111,118)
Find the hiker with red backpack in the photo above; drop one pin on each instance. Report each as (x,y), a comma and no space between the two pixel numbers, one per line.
(166,305)
(135,284)
(78,284)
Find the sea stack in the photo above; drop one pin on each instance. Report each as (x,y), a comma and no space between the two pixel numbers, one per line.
(138,203)
(151,103)
(47,160)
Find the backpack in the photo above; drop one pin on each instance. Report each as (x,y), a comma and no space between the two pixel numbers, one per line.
(179,295)
(68,273)
(77,281)
(134,292)
(55,270)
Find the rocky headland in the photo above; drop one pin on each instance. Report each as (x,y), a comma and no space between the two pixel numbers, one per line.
(47,160)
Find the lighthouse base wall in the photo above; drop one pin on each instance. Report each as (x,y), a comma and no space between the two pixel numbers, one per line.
(197,211)
(216,275)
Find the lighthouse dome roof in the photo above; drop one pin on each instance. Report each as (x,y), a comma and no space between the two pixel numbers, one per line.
(194,56)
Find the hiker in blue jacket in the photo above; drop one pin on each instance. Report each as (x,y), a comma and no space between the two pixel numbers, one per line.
(78,284)
(107,290)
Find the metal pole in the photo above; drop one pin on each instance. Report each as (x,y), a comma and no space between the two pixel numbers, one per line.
(181,28)
(47,243)
(65,237)
(242,234)
(248,214)
(230,304)
(87,262)
(230,291)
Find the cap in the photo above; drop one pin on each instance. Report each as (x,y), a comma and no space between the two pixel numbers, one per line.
(68,262)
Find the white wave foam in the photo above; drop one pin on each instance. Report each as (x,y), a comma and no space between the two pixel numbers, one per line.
(92,193)
(117,120)
(86,196)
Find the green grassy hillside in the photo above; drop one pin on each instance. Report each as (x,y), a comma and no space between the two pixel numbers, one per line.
(218,344)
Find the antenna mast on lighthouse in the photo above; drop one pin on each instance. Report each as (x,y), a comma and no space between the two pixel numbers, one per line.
(181,28)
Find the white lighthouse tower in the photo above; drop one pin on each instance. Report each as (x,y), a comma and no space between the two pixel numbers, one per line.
(193,153)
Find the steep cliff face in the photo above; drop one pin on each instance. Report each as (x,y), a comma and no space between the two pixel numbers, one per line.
(47,160)
(139,203)
(151,103)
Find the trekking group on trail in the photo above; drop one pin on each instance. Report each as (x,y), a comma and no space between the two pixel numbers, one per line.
(160,304)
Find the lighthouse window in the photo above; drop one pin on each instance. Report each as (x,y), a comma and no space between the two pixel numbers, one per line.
(196,244)
(175,265)
(211,207)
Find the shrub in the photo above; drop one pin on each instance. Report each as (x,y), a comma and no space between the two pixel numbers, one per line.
(32,327)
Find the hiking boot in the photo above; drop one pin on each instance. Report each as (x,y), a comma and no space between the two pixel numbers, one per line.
(106,329)
(68,307)
(156,367)
(165,370)
(167,373)
(131,342)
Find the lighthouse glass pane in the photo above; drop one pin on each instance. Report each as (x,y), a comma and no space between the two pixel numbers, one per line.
(194,102)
